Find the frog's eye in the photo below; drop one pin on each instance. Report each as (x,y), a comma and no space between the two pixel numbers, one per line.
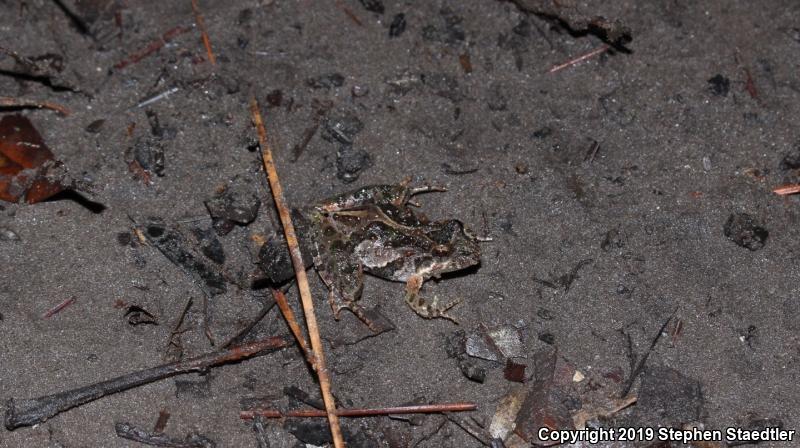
(441,250)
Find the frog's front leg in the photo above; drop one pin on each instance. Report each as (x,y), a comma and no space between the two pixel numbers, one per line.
(428,310)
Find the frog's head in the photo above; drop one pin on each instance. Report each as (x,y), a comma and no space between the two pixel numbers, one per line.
(456,247)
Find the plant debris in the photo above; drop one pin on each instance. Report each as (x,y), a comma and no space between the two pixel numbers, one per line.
(192,440)
(235,203)
(58,308)
(742,229)
(398,25)
(350,162)
(28,412)
(577,18)
(29,171)
(545,405)
(204,270)
(8,102)
(137,316)
(667,397)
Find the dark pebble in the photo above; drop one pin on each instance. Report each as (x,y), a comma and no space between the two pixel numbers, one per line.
(547,338)
(613,240)
(398,25)
(245,17)
(743,230)
(326,81)
(275,98)
(350,162)
(124,238)
(719,85)
(374,6)
(342,126)
(472,371)
(95,126)
(149,153)
(238,203)
(542,133)
(791,161)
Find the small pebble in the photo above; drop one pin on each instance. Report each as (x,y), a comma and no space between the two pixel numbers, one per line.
(7,234)
(358,91)
(398,25)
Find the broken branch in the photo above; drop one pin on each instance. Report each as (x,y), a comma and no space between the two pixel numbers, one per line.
(784,190)
(595,52)
(288,315)
(300,273)
(37,410)
(198,18)
(6,101)
(417,409)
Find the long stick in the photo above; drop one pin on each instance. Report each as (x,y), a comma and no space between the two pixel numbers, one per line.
(198,18)
(300,273)
(6,101)
(37,410)
(288,315)
(418,409)
(595,52)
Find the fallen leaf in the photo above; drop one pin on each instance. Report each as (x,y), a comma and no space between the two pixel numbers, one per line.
(29,171)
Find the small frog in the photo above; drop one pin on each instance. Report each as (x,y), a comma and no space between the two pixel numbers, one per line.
(373,230)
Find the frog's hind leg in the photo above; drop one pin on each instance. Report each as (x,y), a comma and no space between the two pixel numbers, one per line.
(345,281)
(411,191)
(428,310)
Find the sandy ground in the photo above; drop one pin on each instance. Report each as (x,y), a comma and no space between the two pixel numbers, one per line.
(676,156)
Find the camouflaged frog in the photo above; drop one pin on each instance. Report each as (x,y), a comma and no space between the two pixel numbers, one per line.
(373,230)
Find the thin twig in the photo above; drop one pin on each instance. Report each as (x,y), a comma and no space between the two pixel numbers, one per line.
(38,410)
(300,273)
(58,308)
(152,47)
(175,335)
(6,101)
(198,17)
(249,327)
(472,429)
(288,315)
(350,14)
(640,365)
(157,97)
(601,49)
(207,322)
(784,190)
(417,409)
